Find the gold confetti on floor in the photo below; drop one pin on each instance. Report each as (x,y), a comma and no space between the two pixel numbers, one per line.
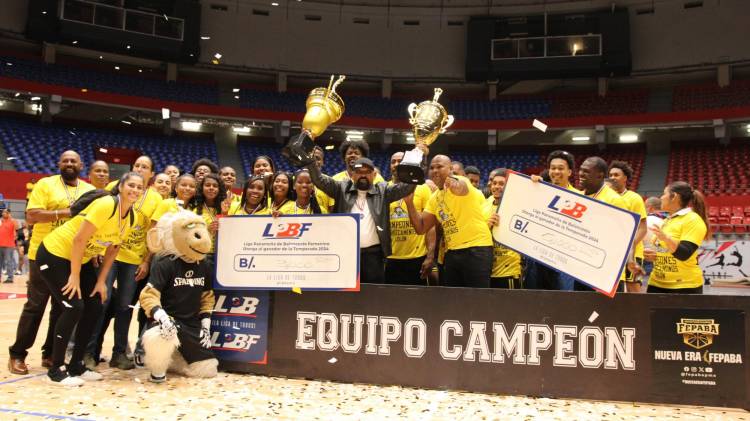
(128,395)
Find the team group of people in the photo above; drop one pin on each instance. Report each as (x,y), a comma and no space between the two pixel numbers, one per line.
(88,252)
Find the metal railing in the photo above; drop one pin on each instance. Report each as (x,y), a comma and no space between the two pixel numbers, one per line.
(127,20)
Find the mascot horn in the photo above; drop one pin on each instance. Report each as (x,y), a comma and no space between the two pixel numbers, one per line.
(178,298)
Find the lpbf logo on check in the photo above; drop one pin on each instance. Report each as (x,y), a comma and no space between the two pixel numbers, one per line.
(568,208)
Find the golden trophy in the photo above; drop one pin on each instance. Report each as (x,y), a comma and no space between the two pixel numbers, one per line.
(428,119)
(324,107)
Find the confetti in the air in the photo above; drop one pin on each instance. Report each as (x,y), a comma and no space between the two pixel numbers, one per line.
(43,267)
(65,303)
(594,316)
(332,360)
(539,125)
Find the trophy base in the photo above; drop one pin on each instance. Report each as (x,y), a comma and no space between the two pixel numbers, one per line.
(410,173)
(299,151)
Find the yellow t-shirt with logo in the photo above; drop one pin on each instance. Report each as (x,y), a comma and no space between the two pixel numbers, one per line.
(669,272)
(51,193)
(405,242)
(110,230)
(505,262)
(634,203)
(237,209)
(462,217)
(290,208)
(133,249)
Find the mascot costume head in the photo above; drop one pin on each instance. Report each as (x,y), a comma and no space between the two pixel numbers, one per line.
(179,235)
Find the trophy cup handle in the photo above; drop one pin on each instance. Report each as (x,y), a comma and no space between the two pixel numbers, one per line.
(412,109)
(447,123)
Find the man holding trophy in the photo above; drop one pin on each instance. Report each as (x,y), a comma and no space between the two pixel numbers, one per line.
(358,194)
(456,206)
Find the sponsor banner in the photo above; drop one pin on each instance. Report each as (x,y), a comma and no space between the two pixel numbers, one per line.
(239,326)
(728,263)
(585,238)
(517,342)
(699,351)
(318,252)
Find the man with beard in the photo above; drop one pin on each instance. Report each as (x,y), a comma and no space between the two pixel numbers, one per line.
(458,207)
(359,193)
(591,176)
(351,151)
(48,208)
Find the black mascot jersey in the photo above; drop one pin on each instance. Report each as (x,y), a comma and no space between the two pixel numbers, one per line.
(181,285)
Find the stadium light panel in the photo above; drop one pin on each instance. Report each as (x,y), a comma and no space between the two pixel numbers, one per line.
(625,138)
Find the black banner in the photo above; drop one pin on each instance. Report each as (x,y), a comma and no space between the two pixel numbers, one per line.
(539,343)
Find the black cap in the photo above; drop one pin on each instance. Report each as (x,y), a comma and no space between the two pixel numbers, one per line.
(364,162)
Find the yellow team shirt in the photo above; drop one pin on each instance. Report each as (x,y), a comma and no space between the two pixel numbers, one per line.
(325,201)
(634,203)
(607,195)
(290,208)
(164,207)
(405,242)
(669,272)
(110,230)
(133,248)
(462,217)
(237,209)
(505,262)
(573,189)
(51,193)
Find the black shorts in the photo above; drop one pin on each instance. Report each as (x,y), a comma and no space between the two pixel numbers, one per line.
(190,342)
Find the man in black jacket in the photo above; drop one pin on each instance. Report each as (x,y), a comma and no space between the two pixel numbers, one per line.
(372,201)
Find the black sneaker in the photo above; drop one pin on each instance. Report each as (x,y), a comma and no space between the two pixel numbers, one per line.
(138,360)
(157,379)
(60,377)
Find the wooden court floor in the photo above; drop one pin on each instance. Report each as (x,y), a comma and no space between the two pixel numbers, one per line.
(127,395)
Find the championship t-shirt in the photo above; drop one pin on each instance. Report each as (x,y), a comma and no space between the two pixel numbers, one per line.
(110,230)
(462,217)
(607,195)
(634,203)
(51,193)
(181,285)
(670,272)
(505,262)
(405,242)
(133,249)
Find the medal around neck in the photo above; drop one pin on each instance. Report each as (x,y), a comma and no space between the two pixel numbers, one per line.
(324,107)
(429,120)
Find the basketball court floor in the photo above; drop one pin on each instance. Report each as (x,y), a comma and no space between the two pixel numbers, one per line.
(127,395)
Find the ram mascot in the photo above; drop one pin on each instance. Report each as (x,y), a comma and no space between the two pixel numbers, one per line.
(178,299)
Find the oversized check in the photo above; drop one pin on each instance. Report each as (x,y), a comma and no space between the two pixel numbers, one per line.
(295,251)
(583,237)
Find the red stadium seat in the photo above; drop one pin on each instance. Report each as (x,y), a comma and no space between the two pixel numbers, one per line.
(713,211)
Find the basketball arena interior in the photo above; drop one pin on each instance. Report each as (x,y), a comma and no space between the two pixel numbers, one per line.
(657,91)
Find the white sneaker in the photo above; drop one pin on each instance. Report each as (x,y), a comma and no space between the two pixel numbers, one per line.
(90,376)
(60,377)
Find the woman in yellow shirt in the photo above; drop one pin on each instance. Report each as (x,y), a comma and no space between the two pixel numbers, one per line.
(162,185)
(281,191)
(254,198)
(64,260)
(305,202)
(130,269)
(208,200)
(675,246)
(183,197)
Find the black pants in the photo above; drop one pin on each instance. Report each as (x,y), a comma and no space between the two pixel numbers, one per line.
(470,267)
(32,314)
(507,282)
(371,265)
(657,290)
(84,311)
(404,271)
